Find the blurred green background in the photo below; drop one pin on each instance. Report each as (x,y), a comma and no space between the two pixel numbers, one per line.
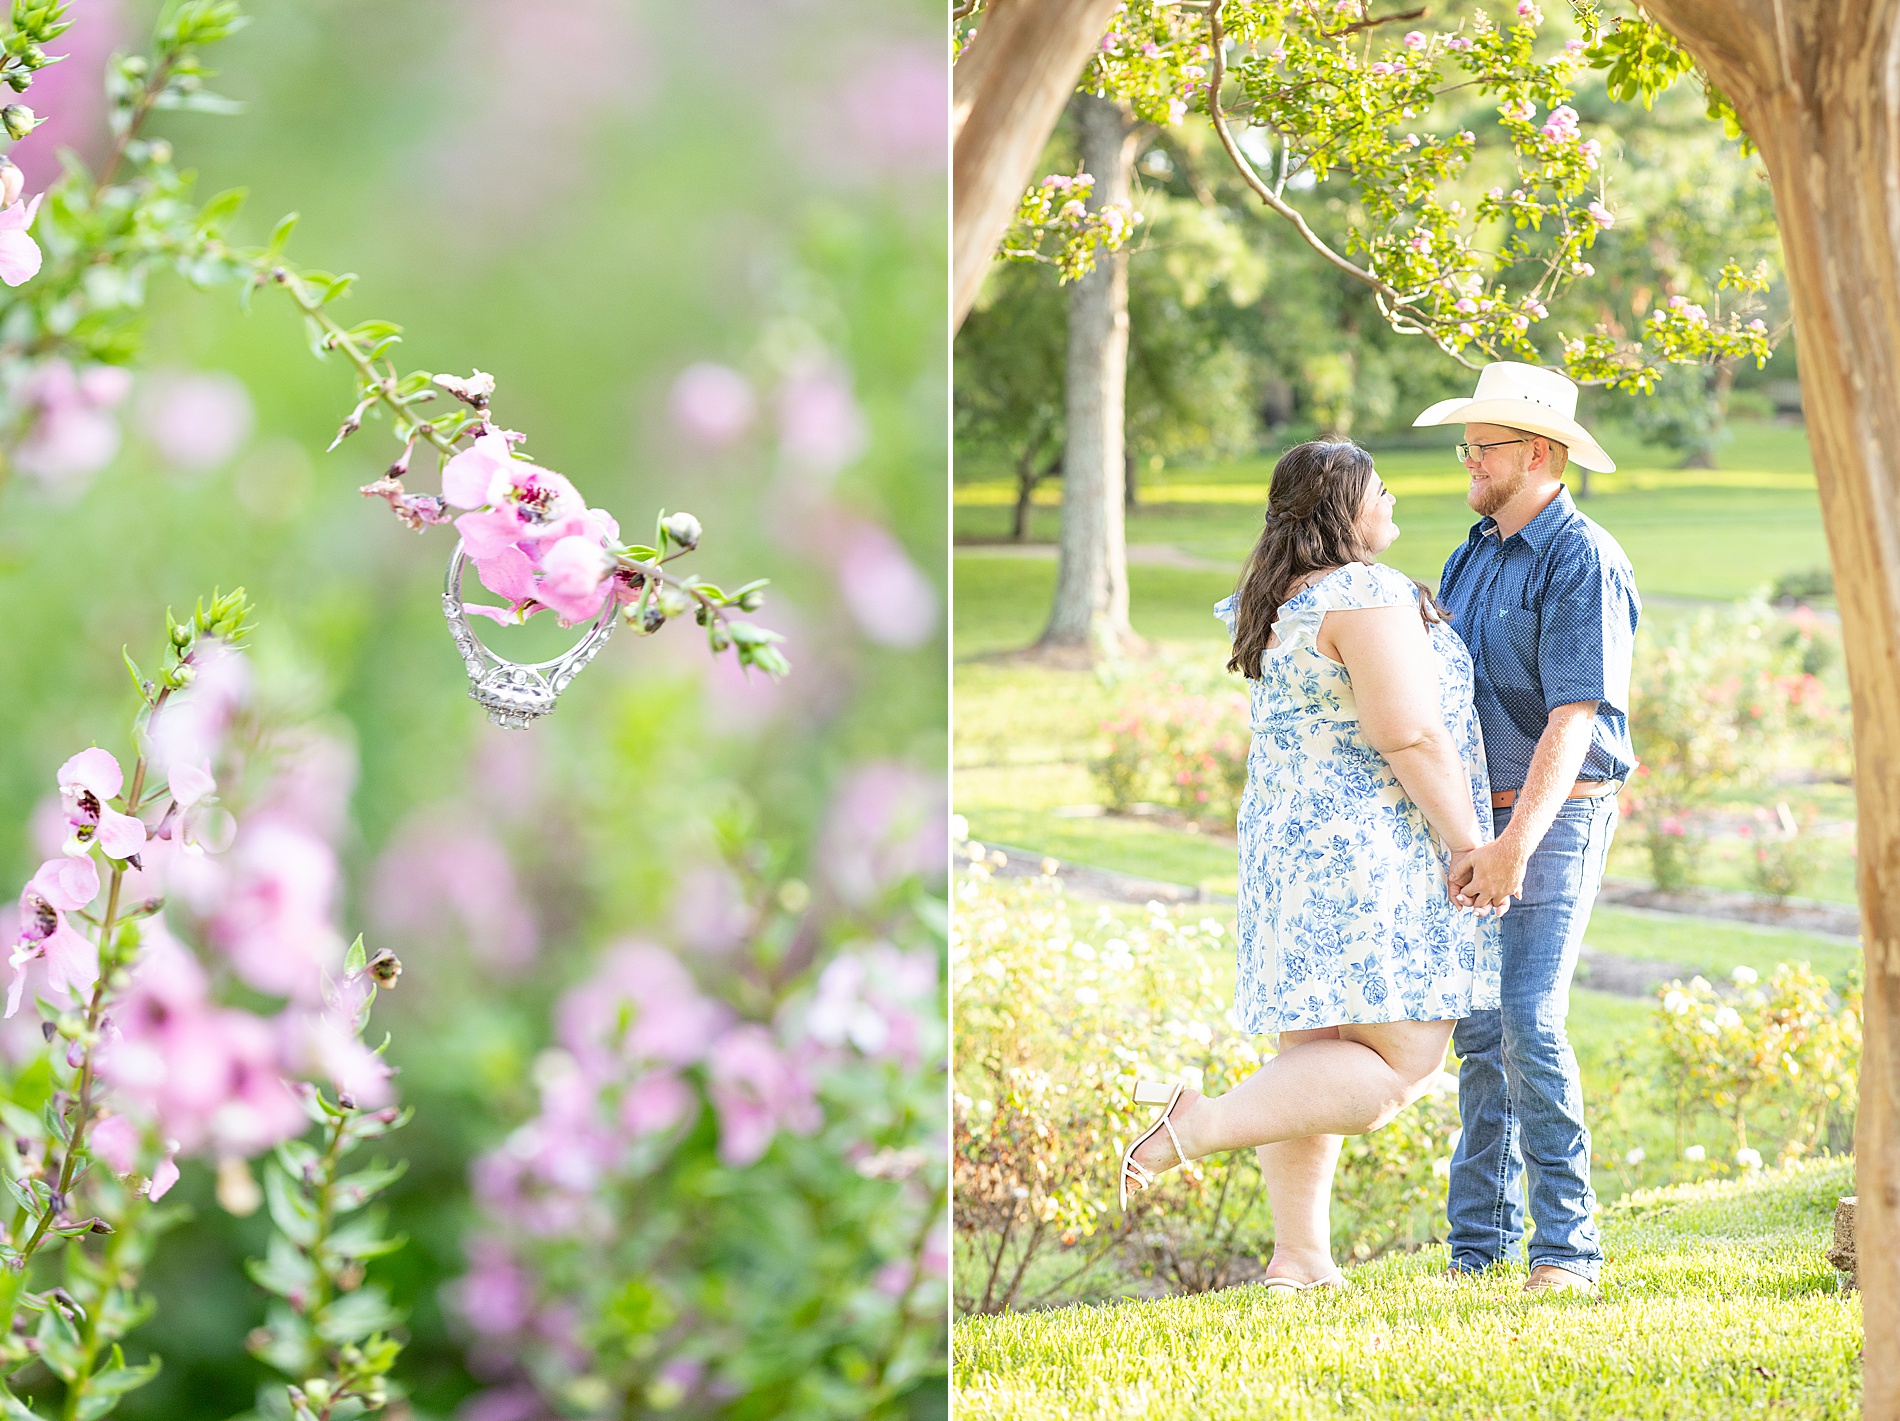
(583,197)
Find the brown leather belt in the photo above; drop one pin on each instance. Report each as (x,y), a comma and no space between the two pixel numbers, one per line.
(1582,789)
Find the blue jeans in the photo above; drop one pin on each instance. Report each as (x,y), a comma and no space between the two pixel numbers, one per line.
(1519,1095)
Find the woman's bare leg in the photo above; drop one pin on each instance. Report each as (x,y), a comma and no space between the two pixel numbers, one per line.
(1344,1085)
(1299,1177)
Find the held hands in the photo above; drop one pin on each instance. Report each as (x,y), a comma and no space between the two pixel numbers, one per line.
(1486,878)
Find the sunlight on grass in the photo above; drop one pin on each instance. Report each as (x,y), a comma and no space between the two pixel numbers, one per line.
(1716,1303)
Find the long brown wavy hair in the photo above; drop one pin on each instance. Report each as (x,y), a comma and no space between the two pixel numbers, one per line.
(1312,523)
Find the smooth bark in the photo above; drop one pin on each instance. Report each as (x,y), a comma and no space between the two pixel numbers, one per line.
(1011,83)
(1817,86)
(1090,614)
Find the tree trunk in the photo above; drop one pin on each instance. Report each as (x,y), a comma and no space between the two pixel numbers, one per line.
(1091,604)
(1011,83)
(1028,476)
(1817,85)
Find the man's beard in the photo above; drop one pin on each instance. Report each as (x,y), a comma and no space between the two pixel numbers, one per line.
(1498,491)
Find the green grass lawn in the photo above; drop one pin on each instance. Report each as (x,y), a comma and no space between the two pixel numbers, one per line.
(1025,734)
(1717,1303)
(1689,533)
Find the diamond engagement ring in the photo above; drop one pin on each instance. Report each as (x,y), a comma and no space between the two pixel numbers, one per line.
(515,696)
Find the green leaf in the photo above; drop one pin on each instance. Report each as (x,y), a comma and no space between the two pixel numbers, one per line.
(59,1345)
(339,286)
(221,208)
(362,1237)
(102,1391)
(283,1270)
(14,1409)
(24,1196)
(356,1315)
(356,1190)
(280,235)
(33,1087)
(356,958)
(289,1209)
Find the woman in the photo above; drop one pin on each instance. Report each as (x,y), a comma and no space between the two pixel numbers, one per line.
(1365,791)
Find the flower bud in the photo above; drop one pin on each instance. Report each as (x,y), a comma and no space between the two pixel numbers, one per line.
(752,601)
(682,528)
(12,181)
(19,121)
(385,968)
(182,635)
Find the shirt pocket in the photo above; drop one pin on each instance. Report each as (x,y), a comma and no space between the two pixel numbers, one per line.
(1512,646)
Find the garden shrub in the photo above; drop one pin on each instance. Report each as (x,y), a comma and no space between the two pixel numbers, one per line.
(1781,1061)
(1719,700)
(1058,1012)
(1177,745)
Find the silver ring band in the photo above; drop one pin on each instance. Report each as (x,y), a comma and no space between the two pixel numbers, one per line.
(515,696)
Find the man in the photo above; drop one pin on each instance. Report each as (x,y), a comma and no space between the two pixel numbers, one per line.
(1546,601)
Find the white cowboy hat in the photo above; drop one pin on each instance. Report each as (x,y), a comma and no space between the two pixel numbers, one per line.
(1525,397)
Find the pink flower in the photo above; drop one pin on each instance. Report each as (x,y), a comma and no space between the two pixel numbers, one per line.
(321,1045)
(889,598)
(1574,46)
(655,1102)
(887,823)
(574,579)
(496,1295)
(60,887)
(1592,151)
(640,1008)
(1601,215)
(758,1091)
(713,403)
(196,420)
(446,877)
(820,427)
(275,923)
(70,435)
(1560,125)
(19,253)
(524,504)
(1416,40)
(875,1001)
(1459,43)
(86,782)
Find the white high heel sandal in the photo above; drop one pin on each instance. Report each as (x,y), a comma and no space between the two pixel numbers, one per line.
(1150,1093)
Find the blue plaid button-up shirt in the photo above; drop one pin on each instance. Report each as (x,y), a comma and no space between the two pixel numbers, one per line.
(1549,615)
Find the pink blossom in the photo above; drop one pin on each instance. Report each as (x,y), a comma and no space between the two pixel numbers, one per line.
(197,719)
(888,822)
(758,1091)
(574,579)
(496,1295)
(275,921)
(896,110)
(1382,68)
(116,1140)
(1574,46)
(655,1102)
(522,504)
(1592,151)
(1527,10)
(713,403)
(1459,43)
(820,427)
(1758,326)
(61,886)
(445,876)
(1601,215)
(86,782)
(1416,40)
(19,253)
(70,436)
(641,1007)
(208,1076)
(1560,126)
(875,1001)
(196,420)
(505,1403)
(322,1045)
(894,603)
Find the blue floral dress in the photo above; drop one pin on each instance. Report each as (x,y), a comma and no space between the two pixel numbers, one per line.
(1343,911)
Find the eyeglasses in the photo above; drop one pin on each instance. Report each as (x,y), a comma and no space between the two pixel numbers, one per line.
(1474,453)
